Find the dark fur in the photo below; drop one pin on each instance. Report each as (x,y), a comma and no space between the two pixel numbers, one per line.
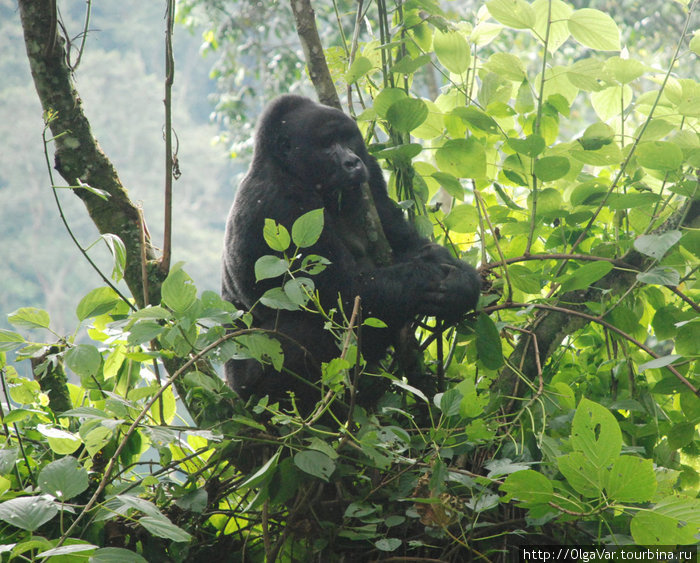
(309,156)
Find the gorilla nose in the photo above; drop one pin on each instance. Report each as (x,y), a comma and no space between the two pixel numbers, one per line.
(352,164)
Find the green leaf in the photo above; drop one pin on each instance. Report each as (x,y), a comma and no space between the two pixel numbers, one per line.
(115,555)
(552,168)
(660,155)
(624,70)
(265,472)
(632,200)
(10,340)
(83,359)
(276,236)
(525,280)
(531,146)
(360,66)
(276,298)
(595,29)
(660,276)
(164,528)
(299,290)
(388,544)
(407,114)
(315,463)
(462,219)
(506,65)
(585,276)
(452,50)
(517,14)
(673,521)
(695,43)
(67,550)
(29,317)
(657,363)
(143,331)
(409,65)
(488,343)
(477,119)
(60,441)
(596,433)
(28,513)
(269,267)
(386,98)
(178,291)
(631,479)
(99,301)
(529,487)
(657,246)
(118,250)
(581,474)
(63,478)
(307,229)
(463,158)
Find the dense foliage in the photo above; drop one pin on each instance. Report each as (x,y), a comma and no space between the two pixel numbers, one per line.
(568,405)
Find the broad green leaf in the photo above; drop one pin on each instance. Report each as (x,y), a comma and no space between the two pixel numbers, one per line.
(407,114)
(269,267)
(506,65)
(530,146)
(625,70)
(660,276)
(307,229)
(164,528)
(432,127)
(452,50)
(265,472)
(28,513)
(581,474)
(688,338)
(657,363)
(558,29)
(63,478)
(29,317)
(262,348)
(606,102)
(409,65)
(596,433)
(386,98)
(83,359)
(315,463)
(529,487)
(549,203)
(299,290)
(525,280)
(276,236)
(551,168)
(462,219)
(632,200)
(178,291)
(360,66)
(276,298)
(595,29)
(10,340)
(631,479)
(60,441)
(98,302)
(477,119)
(695,43)
(604,156)
(585,276)
(144,331)
(517,14)
(673,521)
(657,246)
(388,544)
(596,136)
(463,158)
(67,550)
(488,343)
(660,155)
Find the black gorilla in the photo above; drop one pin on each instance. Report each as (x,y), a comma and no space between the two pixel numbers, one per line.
(309,156)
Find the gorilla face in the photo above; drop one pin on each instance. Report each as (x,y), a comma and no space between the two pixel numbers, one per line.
(320,146)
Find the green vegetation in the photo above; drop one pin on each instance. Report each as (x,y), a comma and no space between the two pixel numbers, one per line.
(529,142)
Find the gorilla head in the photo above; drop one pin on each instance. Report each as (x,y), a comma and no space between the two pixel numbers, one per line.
(309,156)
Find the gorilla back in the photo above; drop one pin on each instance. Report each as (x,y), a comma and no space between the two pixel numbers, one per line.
(309,156)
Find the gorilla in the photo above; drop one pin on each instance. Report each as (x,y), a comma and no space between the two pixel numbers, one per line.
(309,156)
